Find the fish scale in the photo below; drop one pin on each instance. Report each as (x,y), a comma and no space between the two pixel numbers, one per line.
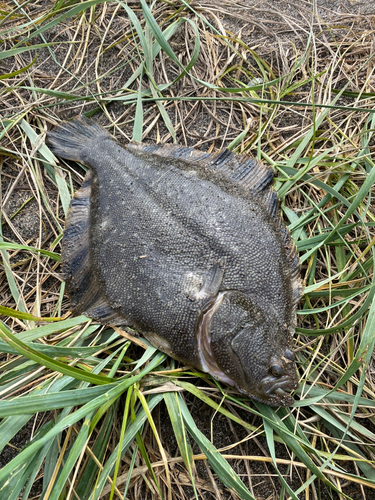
(187,248)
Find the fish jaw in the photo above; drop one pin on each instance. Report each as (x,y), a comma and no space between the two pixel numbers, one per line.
(274,390)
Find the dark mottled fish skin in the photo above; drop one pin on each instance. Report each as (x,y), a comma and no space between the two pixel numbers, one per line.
(188,248)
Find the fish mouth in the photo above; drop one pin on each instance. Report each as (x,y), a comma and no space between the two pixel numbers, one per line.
(275,391)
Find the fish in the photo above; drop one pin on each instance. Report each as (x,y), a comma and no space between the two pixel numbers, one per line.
(189,249)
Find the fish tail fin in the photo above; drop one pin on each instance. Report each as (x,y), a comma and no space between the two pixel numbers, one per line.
(69,139)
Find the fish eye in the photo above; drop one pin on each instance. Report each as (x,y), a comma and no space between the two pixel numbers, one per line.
(289,355)
(277,370)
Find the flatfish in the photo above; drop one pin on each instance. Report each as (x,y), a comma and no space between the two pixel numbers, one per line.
(189,249)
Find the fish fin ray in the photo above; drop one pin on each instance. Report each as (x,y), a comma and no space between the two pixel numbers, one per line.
(214,279)
(82,286)
(102,311)
(294,266)
(69,139)
(253,176)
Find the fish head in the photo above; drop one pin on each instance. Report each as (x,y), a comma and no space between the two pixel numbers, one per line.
(251,350)
(267,369)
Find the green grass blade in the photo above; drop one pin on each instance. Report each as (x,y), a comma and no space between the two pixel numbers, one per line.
(49,362)
(15,246)
(174,411)
(72,457)
(271,446)
(224,471)
(51,401)
(11,468)
(87,481)
(138,120)
(129,437)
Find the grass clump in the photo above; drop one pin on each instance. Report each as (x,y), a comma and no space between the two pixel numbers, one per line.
(107,415)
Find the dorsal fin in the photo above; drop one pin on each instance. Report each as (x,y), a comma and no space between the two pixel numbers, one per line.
(253,176)
(294,266)
(87,296)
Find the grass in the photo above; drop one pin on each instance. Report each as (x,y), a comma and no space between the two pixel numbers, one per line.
(107,415)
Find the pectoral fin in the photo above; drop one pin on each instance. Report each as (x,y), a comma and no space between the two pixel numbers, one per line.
(214,279)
